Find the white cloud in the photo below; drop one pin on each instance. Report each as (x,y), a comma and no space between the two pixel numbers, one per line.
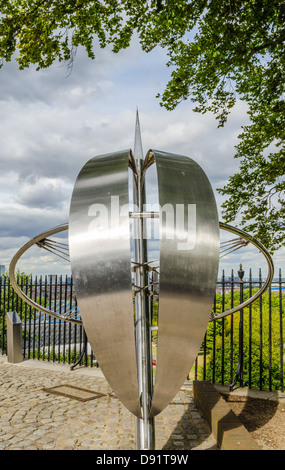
(51,124)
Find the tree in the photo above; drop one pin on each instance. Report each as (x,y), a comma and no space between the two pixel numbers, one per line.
(220,51)
(262,341)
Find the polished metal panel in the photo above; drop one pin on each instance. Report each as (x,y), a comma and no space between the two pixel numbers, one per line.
(189,259)
(101,266)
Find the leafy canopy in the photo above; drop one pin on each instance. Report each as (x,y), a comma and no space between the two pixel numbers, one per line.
(219,51)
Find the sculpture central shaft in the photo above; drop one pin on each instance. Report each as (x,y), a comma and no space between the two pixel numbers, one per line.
(144,425)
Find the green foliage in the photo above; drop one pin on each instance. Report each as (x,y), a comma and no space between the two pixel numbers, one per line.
(10,302)
(261,338)
(218,51)
(154,321)
(49,30)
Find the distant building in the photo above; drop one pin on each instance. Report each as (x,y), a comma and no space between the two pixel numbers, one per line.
(2,269)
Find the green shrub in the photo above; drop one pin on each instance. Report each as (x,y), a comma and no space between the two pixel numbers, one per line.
(262,354)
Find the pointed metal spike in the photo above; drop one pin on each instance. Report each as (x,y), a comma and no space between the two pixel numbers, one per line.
(138,149)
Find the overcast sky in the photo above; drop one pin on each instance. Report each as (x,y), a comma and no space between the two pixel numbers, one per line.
(53,122)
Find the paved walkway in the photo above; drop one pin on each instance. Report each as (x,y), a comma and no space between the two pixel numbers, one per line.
(33,419)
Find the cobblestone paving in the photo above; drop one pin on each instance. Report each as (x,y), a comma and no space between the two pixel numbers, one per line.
(32,419)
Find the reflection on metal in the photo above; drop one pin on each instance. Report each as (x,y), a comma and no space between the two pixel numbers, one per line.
(145,438)
(101,268)
(189,259)
(115,277)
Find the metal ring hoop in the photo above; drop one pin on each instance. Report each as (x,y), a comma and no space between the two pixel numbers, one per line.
(270,264)
(65,316)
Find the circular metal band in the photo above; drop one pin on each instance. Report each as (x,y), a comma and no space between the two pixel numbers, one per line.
(270,264)
(66,316)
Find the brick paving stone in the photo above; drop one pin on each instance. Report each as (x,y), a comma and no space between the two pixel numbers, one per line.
(32,419)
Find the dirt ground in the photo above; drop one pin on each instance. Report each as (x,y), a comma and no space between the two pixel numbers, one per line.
(264,419)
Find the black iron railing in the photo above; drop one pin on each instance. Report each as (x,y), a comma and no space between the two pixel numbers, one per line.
(244,349)
(44,337)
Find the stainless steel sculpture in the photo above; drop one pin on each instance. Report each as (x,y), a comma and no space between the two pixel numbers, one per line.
(102,274)
(44,242)
(111,264)
(188,271)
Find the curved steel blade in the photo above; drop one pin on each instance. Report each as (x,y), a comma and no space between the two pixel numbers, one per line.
(101,265)
(189,259)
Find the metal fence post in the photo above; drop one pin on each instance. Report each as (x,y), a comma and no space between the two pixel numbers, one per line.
(239,372)
(14,338)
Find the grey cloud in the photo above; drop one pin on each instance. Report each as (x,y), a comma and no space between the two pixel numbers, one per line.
(55,83)
(53,142)
(52,124)
(196,136)
(20,221)
(43,193)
